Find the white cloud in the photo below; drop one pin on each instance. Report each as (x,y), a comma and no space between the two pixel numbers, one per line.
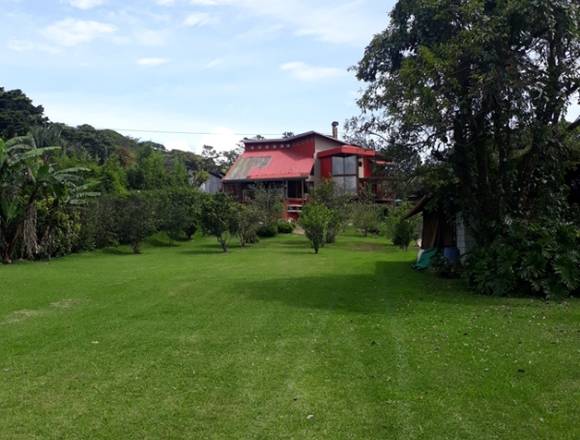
(203,2)
(165,2)
(72,32)
(222,139)
(152,61)
(86,4)
(29,46)
(306,72)
(197,19)
(149,37)
(216,62)
(339,22)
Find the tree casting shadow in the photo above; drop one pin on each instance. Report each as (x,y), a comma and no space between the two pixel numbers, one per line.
(391,283)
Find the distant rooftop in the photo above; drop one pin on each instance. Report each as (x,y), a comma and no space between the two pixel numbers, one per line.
(295,137)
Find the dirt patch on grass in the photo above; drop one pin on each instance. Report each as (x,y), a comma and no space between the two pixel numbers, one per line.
(26,314)
(66,303)
(22,315)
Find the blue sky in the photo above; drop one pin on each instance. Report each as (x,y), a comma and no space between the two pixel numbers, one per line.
(219,66)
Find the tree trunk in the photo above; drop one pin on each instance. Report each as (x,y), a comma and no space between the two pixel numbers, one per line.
(6,257)
(223,243)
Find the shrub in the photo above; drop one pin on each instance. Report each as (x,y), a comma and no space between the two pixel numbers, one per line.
(366,218)
(269,202)
(403,234)
(219,217)
(136,219)
(314,220)
(538,258)
(285,227)
(248,224)
(395,215)
(181,211)
(445,268)
(267,231)
(339,203)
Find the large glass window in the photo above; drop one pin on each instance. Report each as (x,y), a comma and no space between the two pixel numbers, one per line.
(345,173)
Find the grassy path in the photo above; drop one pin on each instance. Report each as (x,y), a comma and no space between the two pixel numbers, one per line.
(275,342)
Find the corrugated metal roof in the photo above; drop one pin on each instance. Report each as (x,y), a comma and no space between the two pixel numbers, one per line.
(270,165)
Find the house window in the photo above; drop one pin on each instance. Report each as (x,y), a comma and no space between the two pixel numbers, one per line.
(344,173)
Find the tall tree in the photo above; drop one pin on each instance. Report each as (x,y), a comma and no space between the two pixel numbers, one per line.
(486,83)
(18,114)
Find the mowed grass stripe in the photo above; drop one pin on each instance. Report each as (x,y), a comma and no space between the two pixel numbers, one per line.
(274,342)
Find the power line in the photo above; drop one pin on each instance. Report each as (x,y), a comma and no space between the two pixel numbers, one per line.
(137,130)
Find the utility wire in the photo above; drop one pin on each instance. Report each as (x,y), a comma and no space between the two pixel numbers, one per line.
(191,132)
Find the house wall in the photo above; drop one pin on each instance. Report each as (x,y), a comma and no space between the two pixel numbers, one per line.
(323,167)
(212,185)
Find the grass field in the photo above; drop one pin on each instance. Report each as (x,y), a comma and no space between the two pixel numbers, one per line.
(273,342)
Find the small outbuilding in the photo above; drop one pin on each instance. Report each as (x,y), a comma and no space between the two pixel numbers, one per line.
(440,232)
(213,184)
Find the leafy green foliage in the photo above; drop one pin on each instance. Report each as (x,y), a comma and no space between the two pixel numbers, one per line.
(17,114)
(267,231)
(314,219)
(483,86)
(269,203)
(180,210)
(285,227)
(29,177)
(403,234)
(399,229)
(339,205)
(136,219)
(366,217)
(219,217)
(539,258)
(488,89)
(248,224)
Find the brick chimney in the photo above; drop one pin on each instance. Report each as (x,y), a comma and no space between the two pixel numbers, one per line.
(335,130)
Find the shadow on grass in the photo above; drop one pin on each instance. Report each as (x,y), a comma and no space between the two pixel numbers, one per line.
(116,251)
(211,249)
(161,242)
(392,283)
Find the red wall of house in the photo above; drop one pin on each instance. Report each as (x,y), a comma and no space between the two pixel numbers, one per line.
(368,168)
(326,167)
(303,147)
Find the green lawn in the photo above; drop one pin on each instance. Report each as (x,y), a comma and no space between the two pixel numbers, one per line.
(274,342)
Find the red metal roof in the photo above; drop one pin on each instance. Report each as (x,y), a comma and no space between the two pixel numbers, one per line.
(350,150)
(270,165)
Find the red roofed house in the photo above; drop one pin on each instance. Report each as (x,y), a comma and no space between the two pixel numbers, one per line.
(295,164)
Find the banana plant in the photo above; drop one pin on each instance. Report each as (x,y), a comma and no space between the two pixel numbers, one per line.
(27,176)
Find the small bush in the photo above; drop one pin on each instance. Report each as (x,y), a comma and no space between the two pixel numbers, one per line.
(248,223)
(539,259)
(267,231)
(403,233)
(366,217)
(285,227)
(443,267)
(314,220)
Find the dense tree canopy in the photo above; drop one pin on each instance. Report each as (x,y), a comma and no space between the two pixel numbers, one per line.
(484,84)
(18,114)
